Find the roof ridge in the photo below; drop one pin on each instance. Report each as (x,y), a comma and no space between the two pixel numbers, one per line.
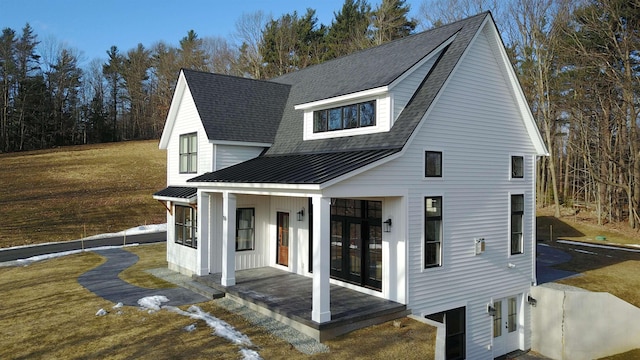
(208,73)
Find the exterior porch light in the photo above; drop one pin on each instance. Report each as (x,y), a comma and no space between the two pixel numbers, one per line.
(387,225)
(491,310)
(533,302)
(300,214)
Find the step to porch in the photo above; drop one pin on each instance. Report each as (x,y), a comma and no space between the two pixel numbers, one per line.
(287,298)
(186,282)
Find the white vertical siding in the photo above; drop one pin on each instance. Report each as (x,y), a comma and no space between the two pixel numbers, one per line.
(258,257)
(187,121)
(477,125)
(228,155)
(298,232)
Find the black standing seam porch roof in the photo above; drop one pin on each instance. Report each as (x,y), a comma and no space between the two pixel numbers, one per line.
(177,192)
(295,169)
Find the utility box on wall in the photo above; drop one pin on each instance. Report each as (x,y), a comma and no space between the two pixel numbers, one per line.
(479,242)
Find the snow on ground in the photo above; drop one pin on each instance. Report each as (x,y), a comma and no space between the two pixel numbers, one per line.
(65,253)
(597,246)
(220,328)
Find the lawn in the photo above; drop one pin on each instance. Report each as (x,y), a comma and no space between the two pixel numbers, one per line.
(73,192)
(45,313)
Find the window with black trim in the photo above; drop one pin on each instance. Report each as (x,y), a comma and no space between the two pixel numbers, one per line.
(186,226)
(245,229)
(345,117)
(517,215)
(189,153)
(433,231)
(433,164)
(517,167)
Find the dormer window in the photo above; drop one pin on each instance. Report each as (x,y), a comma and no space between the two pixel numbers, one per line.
(345,117)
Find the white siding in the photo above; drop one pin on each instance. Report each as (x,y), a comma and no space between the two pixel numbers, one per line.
(298,233)
(187,121)
(404,90)
(228,155)
(476,124)
(258,257)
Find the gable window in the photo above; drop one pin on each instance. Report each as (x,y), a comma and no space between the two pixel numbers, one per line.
(433,164)
(186,226)
(517,167)
(433,231)
(188,153)
(245,229)
(517,214)
(345,117)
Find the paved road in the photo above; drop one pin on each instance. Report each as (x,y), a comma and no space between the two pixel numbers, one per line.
(41,249)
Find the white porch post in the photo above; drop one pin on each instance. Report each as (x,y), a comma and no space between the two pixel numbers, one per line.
(202,223)
(320,310)
(228,239)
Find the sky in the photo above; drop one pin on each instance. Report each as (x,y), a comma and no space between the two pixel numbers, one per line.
(92,26)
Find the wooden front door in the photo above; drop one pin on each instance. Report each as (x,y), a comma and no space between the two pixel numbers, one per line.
(282,254)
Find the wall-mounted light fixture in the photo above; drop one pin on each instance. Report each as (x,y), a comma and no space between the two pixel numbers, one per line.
(491,310)
(387,225)
(533,302)
(479,245)
(300,214)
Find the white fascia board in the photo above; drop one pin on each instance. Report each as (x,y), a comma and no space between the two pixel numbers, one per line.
(362,169)
(343,98)
(435,52)
(521,100)
(239,143)
(192,200)
(174,108)
(265,188)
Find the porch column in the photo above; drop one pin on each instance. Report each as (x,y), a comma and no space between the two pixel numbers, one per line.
(228,239)
(320,309)
(202,223)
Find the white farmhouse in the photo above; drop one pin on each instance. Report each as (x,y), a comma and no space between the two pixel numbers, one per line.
(404,173)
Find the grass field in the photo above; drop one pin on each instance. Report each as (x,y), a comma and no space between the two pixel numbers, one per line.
(45,313)
(72,192)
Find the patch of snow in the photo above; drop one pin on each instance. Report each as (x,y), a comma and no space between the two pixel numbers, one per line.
(585,251)
(248,354)
(152,302)
(118,305)
(190,328)
(597,246)
(220,327)
(101,312)
(70,252)
(143,229)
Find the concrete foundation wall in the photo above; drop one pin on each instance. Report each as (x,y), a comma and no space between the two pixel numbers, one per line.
(568,324)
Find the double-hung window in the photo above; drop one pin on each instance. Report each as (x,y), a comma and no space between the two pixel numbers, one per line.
(433,231)
(517,215)
(186,226)
(432,164)
(245,229)
(517,167)
(189,153)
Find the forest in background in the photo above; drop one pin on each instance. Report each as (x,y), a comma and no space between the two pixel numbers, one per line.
(577,61)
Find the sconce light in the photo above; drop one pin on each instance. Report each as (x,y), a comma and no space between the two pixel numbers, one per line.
(491,310)
(387,225)
(533,302)
(300,214)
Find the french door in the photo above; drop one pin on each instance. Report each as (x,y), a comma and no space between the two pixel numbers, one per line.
(356,242)
(505,326)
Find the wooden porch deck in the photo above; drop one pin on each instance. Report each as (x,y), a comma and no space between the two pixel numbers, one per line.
(287,297)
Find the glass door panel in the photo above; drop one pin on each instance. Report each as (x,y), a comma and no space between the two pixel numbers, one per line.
(336,245)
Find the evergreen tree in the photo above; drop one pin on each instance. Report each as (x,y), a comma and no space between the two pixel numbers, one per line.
(191,52)
(349,30)
(112,71)
(7,78)
(390,21)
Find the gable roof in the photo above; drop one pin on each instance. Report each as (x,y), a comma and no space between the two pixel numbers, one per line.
(237,109)
(367,69)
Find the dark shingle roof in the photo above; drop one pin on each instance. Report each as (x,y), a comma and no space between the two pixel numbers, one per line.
(295,169)
(237,109)
(178,192)
(368,69)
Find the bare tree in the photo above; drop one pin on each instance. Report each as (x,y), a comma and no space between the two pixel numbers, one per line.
(249,28)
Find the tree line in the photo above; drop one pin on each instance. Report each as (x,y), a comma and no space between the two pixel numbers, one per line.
(577,61)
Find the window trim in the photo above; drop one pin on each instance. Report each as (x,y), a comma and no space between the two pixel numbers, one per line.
(521,214)
(511,175)
(189,154)
(253,228)
(342,110)
(193,227)
(440,218)
(425,158)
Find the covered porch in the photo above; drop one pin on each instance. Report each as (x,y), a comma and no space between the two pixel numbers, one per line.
(287,297)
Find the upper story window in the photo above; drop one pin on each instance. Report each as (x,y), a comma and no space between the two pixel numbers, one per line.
(517,215)
(345,117)
(517,167)
(432,164)
(189,153)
